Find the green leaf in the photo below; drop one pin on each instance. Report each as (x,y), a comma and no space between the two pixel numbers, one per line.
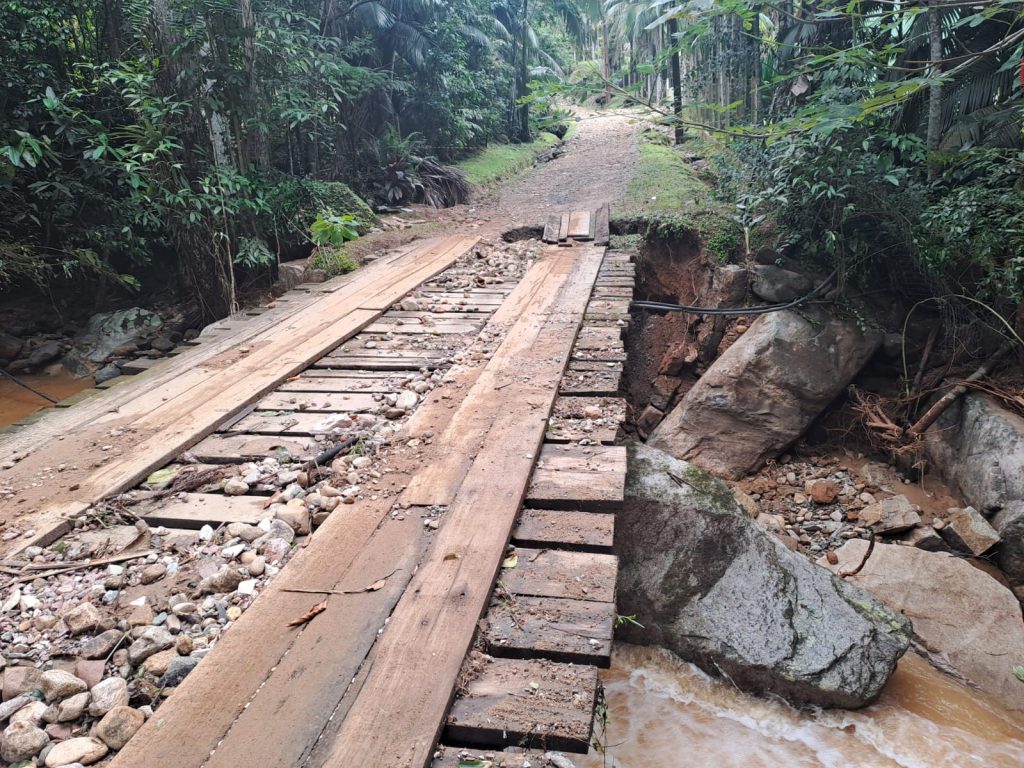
(511,561)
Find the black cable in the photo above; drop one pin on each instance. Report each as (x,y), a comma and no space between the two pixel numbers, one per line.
(764,309)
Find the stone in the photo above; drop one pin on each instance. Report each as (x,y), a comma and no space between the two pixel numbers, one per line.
(179,668)
(72,707)
(58,684)
(90,671)
(890,515)
(235,487)
(257,566)
(967,531)
(19,680)
(118,726)
(978,448)
(45,353)
(106,332)
(161,343)
(22,741)
(10,347)
(923,537)
(101,646)
(765,390)
(106,373)
(157,664)
(153,572)
(32,713)
(152,640)
(962,615)
(107,694)
(295,515)
(84,749)
(748,503)
(223,581)
(777,285)
(183,645)
(823,491)
(83,618)
(1009,524)
(709,584)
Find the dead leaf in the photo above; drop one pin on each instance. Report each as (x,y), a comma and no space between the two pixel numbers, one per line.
(379,584)
(451,556)
(309,615)
(511,561)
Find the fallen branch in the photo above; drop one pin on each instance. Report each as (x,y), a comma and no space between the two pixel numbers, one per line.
(954,394)
(377,585)
(45,570)
(309,615)
(929,345)
(871,548)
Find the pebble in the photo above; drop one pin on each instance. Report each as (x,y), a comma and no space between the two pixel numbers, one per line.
(179,670)
(84,749)
(236,487)
(151,640)
(83,618)
(58,684)
(118,726)
(22,741)
(222,582)
(32,713)
(152,573)
(107,694)
(72,707)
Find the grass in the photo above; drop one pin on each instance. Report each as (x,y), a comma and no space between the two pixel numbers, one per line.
(667,198)
(499,162)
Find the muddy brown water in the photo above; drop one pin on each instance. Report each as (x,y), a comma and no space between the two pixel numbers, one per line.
(17,402)
(664,712)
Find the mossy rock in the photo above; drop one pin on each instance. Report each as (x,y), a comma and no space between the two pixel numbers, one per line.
(294,204)
(333,260)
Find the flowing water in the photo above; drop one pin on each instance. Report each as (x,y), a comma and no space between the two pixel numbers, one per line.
(664,712)
(17,402)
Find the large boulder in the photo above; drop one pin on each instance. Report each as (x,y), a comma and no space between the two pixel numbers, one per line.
(961,615)
(765,390)
(106,332)
(709,584)
(978,447)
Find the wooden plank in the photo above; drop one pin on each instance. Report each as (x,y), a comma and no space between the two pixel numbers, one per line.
(309,383)
(569,631)
(199,509)
(139,365)
(394,349)
(513,757)
(294,423)
(319,402)
(442,327)
(579,225)
(399,710)
(565,529)
(378,363)
(599,354)
(551,229)
(590,383)
(601,227)
(607,366)
(576,477)
(600,337)
(236,449)
(527,703)
(563,574)
(586,418)
(563,227)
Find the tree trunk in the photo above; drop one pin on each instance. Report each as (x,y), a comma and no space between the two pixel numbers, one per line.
(934,134)
(523,109)
(677,83)
(755,73)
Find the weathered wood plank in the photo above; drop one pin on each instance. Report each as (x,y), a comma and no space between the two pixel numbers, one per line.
(601,228)
(563,227)
(565,529)
(551,229)
(413,327)
(600,337)
(526,702)
(562,574)
(236,449)
(294,423)
(586,418)
(570,631)
(308,383)
(319,402)
(199,509)
(579,225)
(590,383)
(577,477)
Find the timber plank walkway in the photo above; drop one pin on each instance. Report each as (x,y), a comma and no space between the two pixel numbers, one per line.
(507,513)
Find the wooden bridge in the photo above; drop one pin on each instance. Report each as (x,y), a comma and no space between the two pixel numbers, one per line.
(487,541)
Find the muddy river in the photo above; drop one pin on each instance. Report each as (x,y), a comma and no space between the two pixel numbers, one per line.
(17,402)
(663,712)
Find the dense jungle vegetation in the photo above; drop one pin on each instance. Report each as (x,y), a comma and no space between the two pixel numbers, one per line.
(147,140)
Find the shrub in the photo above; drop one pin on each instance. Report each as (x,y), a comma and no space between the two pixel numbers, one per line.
(333,260)
(295,205)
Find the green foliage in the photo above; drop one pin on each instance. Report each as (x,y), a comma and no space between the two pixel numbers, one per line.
(504,161)
(332,229)
(333,260)
(294,205)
